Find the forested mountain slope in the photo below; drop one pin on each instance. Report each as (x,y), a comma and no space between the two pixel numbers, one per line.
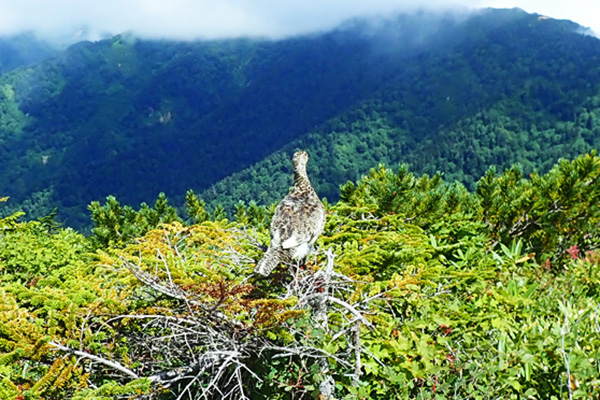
(133,118)
(526,91)
(24,49)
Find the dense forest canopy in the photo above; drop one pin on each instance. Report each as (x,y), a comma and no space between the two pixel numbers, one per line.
(133,118)
(503,98)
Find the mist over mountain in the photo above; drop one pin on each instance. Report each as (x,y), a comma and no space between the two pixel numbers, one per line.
(442,91)
(23,49)
(504,87)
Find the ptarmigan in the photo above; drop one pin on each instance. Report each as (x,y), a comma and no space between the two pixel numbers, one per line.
(297,222)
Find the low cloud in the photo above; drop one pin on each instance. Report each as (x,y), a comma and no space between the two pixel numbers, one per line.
(584,12)
(193,19)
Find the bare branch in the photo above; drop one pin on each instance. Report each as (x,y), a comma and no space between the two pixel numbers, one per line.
(348,307)
(100,360)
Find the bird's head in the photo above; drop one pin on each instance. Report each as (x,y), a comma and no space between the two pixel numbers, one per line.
(300,158)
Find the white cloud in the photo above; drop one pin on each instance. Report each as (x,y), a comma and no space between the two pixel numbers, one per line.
(584,12)
(190,19)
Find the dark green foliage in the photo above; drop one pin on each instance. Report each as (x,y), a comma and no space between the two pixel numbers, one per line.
(549,214)
(552,213)
(115,225)
(502,96)
(195,208)
(98,111)
(251,215)
(132,118)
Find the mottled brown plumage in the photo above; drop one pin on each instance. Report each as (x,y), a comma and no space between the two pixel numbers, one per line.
(297,222)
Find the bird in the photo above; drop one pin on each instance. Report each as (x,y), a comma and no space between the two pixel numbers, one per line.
(297,222)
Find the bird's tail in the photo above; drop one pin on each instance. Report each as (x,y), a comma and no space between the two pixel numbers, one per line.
(267,263)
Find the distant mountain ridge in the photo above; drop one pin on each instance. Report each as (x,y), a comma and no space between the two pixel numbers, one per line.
(523,90)
(23,49)
(133,118)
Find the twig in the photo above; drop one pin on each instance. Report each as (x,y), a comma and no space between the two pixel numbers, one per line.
(357,363)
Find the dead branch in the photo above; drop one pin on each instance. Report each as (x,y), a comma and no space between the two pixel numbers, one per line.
(100,360)
(218,351)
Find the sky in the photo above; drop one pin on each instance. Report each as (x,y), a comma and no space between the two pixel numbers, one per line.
(193,19)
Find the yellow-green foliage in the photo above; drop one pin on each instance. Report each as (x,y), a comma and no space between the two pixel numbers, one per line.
(30,254)
(51,376)
(112,390)
(492,293)
(216,252)
(8,390)
(370,245)
(48,289)
(210,262)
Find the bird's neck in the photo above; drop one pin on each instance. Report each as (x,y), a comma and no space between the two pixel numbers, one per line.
(301,178)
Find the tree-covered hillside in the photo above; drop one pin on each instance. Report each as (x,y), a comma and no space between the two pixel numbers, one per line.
(524,91)
(133,118)
(420,290)
(24,49)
